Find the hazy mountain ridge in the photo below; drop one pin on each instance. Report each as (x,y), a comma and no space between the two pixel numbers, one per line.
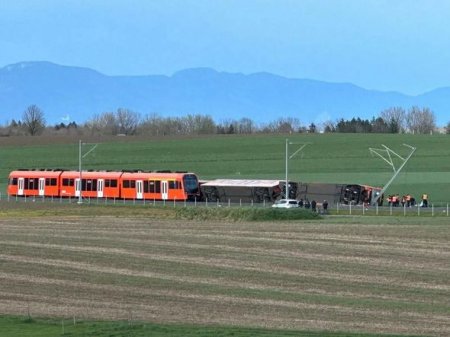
(76,94)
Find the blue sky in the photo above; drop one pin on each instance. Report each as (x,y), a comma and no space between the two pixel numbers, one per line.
(386,45)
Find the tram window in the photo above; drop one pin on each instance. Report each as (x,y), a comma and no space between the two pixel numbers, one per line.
(68,182)
(110,183)
(31,183)
(50,181)
(174,185)
(89,185)
(13,181)
(129,184)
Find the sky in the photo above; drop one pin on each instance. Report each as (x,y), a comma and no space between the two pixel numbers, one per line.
(390,45)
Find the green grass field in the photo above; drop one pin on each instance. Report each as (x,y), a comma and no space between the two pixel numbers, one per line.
(21,327)
(333,158)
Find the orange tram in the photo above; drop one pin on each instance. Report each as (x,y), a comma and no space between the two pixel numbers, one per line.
(157,185)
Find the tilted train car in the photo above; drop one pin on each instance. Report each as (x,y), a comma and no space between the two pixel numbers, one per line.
(105,184)
(337,193)
(237,190)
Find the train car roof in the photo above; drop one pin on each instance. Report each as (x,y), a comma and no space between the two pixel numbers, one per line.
(92,174)
(153,175)
(35,174)
(242,183)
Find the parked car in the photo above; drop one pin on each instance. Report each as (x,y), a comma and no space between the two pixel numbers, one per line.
(286,203)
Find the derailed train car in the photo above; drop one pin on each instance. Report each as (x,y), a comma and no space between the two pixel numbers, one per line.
(354,194)
(241,190)
(258,191)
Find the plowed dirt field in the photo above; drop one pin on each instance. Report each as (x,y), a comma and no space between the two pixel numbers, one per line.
(319,276)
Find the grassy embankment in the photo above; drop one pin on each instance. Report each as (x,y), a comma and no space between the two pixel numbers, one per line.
(20,327)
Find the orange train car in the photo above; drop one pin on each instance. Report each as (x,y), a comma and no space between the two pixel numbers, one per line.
(94,184)
(105,184)
(160,186)
(34,183)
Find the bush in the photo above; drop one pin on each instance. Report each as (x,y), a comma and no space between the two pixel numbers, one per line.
(244,214)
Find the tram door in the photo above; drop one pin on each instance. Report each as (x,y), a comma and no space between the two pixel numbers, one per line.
(41,186)
(100,187)
(164,190)
(77,187)
(20,185)
(139,189)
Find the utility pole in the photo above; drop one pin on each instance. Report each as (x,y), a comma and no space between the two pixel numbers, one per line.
(287,159)
(80,157)
(387,151)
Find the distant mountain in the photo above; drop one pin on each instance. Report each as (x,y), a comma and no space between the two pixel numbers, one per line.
(76,94)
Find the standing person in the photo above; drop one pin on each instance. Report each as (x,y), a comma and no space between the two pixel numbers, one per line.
(325,207)
(424,200)
(313,205)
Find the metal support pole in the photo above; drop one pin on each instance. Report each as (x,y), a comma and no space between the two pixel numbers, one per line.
(80,198)
(391,163)
(287,183)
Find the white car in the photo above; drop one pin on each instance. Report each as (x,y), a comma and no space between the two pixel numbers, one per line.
(286,203)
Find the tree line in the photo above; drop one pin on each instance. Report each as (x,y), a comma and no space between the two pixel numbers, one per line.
(127,122)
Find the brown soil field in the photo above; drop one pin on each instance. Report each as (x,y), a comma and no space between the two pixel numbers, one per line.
(382,278)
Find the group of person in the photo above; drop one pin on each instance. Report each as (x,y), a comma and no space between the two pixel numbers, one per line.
(313,205)
(406,200)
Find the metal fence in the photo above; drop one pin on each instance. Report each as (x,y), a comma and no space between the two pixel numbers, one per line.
(333,209)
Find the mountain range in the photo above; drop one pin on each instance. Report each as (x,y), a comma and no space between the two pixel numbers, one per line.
(68,94)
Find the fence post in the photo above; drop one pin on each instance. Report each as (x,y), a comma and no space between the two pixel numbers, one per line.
(252,203)
(404,210)
(350,208)
(376,205)
(447,209)
(337,207)
(195,202)
(418,210)
(206,202)
(229,202)
(364,209)
(390,209)
(240,202)
(432,209)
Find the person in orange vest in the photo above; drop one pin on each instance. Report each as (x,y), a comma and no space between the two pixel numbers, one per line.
(389,199)
(395,201)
